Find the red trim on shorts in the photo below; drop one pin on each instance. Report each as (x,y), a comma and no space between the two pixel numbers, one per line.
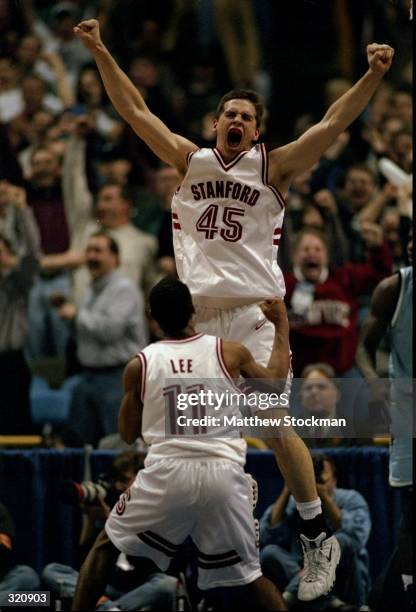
(143,362)
(265,176)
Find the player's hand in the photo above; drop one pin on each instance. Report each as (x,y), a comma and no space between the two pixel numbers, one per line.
(379,58)
(275,310)
(89,32)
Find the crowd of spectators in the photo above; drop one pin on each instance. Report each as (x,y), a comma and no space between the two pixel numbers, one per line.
(71,169)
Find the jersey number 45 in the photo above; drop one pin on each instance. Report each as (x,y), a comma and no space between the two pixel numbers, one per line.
(231,229)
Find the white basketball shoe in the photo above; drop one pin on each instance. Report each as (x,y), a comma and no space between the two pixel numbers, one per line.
(321,557)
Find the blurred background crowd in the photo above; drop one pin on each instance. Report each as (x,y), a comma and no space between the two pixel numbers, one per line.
(82,196)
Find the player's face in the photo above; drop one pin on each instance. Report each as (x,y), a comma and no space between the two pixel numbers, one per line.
(311,256)
(236,127)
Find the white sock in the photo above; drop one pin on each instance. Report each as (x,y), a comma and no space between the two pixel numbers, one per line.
(309,510)
(407,580)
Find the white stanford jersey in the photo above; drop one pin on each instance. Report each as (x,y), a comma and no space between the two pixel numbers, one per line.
(170,367)
(227,224)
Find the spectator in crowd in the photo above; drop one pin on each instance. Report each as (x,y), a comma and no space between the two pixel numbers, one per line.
(320,211)
(59,37)
(347,512)
(10,93)
(322,303)
(46,65)
(61,203)
(130,587)
(201,95)
(144,73)
(13,576)
(92,101)
(12,26)
(37,135)
(320,397)
(137,249)
(359,191)
(10,169)
(19,265)
(34,98)
(109,328)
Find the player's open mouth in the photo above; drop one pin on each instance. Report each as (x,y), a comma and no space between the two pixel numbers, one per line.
(234,137)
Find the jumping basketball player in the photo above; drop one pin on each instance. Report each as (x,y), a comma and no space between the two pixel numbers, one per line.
(227,220)
(190,486)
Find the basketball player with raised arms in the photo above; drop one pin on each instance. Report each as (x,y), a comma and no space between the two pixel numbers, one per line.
(191,485)
(227,220)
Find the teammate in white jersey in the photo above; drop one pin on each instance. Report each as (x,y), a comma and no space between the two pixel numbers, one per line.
(229,225)
(190,486)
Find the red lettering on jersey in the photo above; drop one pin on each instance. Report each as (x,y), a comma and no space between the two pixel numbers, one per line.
(219,189)
(244,194)
(201,186)
(196,193)
(210,190)
(182,366)
(254,197)
(236,191)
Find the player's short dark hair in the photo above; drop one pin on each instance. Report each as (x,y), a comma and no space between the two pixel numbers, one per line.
(243,94)
(171,305)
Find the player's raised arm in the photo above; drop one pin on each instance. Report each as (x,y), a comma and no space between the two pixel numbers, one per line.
(130,104)
(286,162)
(239,359)
(130,414)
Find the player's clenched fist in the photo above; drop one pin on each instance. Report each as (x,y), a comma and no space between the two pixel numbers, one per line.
(379,57)
(89,32)
(274,310)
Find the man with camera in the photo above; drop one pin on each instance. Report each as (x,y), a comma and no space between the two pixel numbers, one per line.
(281,556)
(130,587)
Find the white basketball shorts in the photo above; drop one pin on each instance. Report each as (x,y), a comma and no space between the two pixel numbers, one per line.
(244,324)
(210,500)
